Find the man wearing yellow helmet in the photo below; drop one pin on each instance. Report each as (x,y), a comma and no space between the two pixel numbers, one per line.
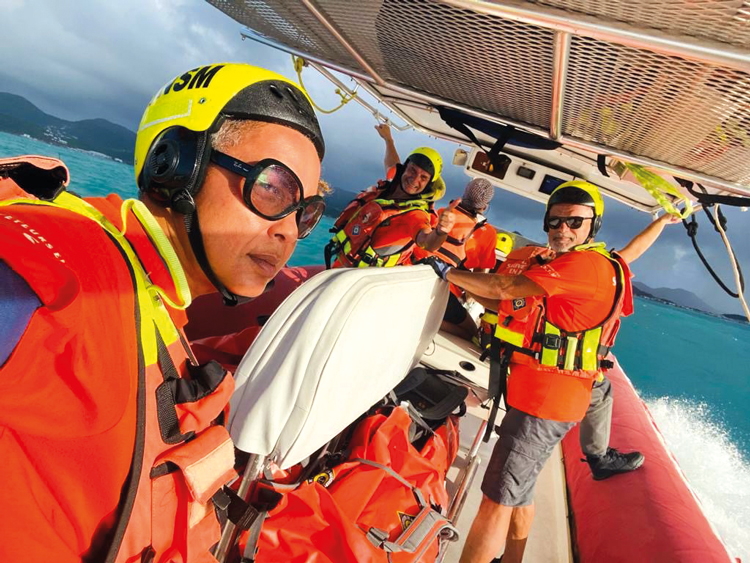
(112,443)
(383,224)
(558,313)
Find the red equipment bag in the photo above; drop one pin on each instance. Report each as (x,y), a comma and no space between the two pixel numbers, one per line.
(383,504)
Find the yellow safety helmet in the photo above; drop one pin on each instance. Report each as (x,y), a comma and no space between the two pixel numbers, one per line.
(173,146)
(504,242)
(578,192)
(429,160)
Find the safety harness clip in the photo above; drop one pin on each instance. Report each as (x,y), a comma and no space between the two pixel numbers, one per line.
(552,341)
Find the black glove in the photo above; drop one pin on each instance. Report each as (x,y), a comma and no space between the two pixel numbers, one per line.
(441,268)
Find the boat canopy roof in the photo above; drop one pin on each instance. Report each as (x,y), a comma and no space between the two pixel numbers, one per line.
(662,84)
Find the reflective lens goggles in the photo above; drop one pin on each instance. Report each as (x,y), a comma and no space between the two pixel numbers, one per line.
(273,191)
(571,222)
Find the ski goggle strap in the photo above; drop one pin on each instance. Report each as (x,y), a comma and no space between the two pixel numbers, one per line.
(273,191)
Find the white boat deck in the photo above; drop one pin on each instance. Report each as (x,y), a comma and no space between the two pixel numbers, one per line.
(549,540)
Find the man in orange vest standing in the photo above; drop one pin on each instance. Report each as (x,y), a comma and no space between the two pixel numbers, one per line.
(470,245)
(558,312)
(111,440)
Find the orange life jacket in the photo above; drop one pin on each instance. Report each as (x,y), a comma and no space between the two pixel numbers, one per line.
(384,504)
(533,339)
(180,457)
(357,225)
(453,250)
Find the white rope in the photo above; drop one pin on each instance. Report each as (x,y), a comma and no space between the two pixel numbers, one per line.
(732,259)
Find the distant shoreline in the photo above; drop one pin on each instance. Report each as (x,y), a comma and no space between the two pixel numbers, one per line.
(738,319)
(52,143)
(98,136)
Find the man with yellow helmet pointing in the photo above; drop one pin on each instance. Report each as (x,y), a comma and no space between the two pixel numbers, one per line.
(113,448)
(558,314)
(383,224)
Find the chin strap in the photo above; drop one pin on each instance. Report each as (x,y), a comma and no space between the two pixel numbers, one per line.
(196,242)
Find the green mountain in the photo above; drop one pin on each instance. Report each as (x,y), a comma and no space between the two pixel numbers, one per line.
(20,116)
(679,297)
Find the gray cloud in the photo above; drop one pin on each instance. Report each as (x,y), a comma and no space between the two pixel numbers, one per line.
(81,59)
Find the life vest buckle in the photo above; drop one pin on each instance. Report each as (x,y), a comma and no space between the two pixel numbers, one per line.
(552,341)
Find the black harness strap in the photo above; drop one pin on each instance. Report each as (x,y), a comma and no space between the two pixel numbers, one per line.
(499,360)
(328,252)
(601,164)
(496,160)
(449,255)
(710,199)
(169,425)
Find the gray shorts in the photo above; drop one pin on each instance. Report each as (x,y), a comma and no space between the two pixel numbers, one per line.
(525,444)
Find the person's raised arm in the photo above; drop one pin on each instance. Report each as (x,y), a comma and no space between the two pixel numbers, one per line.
(391,155)
(643,240)
(432,239)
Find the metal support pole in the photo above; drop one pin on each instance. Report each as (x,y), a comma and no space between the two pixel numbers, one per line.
(268,42)
(559,77)
(376,114)
(472,464)
(573,142)
(581,25)
(342,40)
(469,472)
(229,533)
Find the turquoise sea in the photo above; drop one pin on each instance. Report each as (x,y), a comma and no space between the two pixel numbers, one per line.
(693,370)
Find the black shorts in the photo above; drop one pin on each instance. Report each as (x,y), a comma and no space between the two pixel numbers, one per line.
(455,313)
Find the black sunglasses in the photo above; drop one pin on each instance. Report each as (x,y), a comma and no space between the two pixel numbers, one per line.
(273,191)
(571,222)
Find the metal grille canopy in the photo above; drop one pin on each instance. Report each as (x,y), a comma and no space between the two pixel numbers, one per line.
(662,83)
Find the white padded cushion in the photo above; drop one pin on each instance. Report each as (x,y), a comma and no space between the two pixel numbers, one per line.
(331,350)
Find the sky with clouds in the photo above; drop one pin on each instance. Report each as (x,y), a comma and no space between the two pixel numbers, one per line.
(80,59)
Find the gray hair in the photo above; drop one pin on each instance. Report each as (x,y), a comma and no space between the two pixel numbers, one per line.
(230,133)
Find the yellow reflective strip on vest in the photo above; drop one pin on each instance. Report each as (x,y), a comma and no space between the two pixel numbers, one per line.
(590,349)
(376,261)
(164,249)
(392,260)
(370,253)
(549,355)
(509,336)
(149,296)
(410,203)
(152,311)
(570,353)
(489,318)
(340,236)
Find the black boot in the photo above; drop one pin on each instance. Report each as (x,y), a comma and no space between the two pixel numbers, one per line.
(613,462)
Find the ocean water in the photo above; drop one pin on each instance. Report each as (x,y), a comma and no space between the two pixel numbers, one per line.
(693,370)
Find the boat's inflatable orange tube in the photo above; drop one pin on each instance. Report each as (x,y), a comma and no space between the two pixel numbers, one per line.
(647,515)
